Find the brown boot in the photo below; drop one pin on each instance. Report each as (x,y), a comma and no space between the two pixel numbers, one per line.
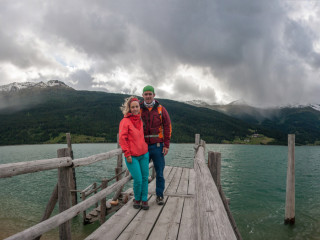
(136,204)
(145,205)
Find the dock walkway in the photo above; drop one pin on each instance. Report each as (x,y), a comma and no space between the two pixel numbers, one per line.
(173,220)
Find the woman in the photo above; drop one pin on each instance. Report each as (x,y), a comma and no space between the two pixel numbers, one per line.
(131,140)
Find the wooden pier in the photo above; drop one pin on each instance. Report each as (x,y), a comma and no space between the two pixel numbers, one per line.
(194,204)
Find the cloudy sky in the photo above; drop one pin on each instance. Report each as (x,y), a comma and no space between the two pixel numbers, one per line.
(264,52)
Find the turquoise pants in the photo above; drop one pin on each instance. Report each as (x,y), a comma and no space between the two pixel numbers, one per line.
(139,169)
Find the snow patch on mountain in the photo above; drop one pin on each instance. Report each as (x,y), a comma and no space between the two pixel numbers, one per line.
(14,87)
(315,106)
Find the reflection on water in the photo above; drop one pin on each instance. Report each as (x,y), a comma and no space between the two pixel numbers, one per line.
(253,177)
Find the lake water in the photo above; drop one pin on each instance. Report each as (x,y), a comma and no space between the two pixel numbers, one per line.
(253,177)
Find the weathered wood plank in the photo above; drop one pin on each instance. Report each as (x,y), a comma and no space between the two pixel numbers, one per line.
(142,224)
(168,223)
(186,225)
(96,158)
(14,169)
(112,228)
(173,185)
(184,182)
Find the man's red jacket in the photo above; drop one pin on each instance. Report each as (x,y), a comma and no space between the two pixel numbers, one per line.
(156,124)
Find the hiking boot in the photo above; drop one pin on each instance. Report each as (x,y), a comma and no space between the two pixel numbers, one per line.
(145,205)
(160,200)
(136,204)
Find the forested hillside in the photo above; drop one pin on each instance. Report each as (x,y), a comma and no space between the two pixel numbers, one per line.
(43,116)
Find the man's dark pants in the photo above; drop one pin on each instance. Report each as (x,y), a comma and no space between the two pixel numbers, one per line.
(155,153)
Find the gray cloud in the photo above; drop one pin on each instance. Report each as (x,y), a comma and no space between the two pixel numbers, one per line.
(253,49)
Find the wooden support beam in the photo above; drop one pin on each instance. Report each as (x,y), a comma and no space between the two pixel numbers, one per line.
(119,160)
(197,139)
(73,180)
(290,191)
(214,165)
(95,192)
(64,196)
(84,214)
(118,192)
(103,207)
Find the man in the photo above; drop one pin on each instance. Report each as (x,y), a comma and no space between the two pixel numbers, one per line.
(157,134)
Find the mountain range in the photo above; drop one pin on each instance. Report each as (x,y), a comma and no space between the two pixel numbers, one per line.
(32,113)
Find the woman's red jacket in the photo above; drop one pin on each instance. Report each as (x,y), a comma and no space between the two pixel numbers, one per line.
(131,139)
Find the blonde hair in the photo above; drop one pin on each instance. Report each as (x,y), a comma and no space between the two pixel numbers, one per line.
(125,108)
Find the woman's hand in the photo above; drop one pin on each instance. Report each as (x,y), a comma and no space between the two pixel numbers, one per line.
(129,159)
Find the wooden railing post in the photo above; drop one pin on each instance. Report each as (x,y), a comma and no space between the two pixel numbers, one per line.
(290,191)
(197,139)
(118,170)
(73,181)
(119,162)
(95,192)
(84,215)
(203,144)
(103,207)
(214,165)
(64,197)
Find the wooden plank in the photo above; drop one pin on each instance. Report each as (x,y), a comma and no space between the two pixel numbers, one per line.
(142,224)
(112,228)
(192,182)
(96,158)
(184,182)
(173,186)
(186,226)
(167,226)
(14,169)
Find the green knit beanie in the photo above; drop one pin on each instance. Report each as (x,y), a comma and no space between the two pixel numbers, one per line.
(148,88)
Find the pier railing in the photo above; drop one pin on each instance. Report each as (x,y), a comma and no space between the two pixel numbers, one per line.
(213,218)
(63,190)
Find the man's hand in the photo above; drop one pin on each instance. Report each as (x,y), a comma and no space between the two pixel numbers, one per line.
(129,159)
(165,151)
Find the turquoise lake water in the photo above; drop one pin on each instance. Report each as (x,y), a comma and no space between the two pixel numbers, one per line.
(253,177)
